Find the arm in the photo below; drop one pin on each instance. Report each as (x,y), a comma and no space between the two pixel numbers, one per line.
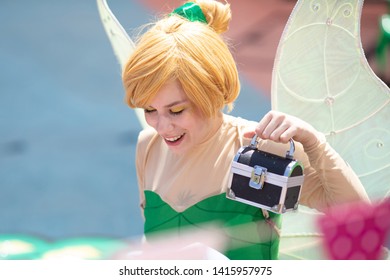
(144,140)
(329,180)
(139,164)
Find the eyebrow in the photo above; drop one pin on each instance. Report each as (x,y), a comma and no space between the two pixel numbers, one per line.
(175,103)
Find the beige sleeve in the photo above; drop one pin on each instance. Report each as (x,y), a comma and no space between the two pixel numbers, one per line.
(329,180)
(144,139)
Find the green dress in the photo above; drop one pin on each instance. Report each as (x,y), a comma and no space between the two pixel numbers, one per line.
(249,234)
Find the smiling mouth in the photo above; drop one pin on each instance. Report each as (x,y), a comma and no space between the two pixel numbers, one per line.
(174,139)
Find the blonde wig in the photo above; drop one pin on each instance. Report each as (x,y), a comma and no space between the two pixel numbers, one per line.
(193,53)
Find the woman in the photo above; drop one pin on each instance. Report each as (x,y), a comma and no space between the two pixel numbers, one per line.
(183,75)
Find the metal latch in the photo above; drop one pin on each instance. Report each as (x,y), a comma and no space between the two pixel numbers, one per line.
(258,177)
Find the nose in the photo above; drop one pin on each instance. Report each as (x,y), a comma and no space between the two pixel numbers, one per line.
(163,124)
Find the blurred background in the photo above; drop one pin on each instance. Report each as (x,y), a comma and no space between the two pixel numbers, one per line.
(67,139)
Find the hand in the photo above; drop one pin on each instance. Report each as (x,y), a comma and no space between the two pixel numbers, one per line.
(280,127)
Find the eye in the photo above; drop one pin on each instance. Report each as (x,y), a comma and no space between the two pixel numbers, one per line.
(149,110)
(177,111)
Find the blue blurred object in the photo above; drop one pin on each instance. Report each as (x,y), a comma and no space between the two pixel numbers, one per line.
(22,247)
(67,139)
(30,247)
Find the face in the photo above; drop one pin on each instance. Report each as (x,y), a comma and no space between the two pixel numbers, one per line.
(177,120)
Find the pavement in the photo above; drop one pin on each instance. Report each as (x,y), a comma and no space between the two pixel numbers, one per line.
(67,140)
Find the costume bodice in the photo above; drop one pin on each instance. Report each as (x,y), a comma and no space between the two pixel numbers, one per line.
(247,233)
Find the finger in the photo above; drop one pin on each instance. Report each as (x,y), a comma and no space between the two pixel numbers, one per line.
(249,133)
(276,134)
(273,124)
(283,133)
(263,123)
(288,134)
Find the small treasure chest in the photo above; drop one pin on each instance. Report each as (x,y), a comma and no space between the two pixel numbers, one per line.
(265,180)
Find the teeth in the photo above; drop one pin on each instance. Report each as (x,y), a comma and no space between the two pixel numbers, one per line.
(173,139)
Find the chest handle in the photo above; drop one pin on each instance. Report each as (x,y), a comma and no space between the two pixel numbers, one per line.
(289,153)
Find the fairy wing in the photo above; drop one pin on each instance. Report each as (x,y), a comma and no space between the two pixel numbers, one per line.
(321,69)
(321,75)
(120,41)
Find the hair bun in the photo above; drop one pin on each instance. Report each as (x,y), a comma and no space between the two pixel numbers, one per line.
(218,15)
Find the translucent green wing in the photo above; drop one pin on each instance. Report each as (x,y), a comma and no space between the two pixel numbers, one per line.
(322,76)
(120,41)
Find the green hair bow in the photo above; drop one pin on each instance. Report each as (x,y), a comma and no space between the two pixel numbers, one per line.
(190,11)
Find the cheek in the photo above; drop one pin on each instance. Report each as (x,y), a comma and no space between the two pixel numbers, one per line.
(150,120)
(187,121)
(195,125)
